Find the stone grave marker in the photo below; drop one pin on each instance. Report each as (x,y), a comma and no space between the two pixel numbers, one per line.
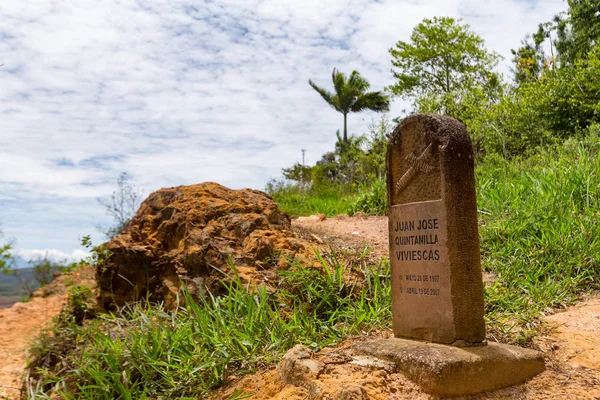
(437,286)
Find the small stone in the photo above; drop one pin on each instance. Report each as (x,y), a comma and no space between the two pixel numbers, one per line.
(297,368)
(352,392)
(315,391)
(312,218)
(317,239)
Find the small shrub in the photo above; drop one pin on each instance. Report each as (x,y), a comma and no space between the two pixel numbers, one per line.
(44,270)
(78,304)
(372,198)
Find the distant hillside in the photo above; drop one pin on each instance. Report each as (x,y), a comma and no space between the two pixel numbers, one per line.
(19,262)
(12,286)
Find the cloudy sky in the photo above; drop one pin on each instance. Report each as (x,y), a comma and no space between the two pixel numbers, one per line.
(177,92)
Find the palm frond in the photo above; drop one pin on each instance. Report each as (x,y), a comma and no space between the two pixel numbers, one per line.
(374,101)
(329,97)
(339,83)
(357,84)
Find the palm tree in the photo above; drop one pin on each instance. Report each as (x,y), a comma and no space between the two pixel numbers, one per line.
(351,96)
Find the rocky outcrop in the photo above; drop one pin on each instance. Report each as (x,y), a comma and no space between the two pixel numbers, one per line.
(191,235)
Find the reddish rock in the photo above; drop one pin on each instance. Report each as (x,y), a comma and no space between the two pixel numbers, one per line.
(190,235)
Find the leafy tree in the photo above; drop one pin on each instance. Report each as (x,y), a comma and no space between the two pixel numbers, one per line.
(121,206)
(298,172)
(5,257)
(560,103)
(528,60)
(44,270)
(351,96)
(378,134)
(441,64)
(578,31)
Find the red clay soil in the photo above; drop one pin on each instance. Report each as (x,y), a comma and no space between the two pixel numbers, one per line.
(22,323)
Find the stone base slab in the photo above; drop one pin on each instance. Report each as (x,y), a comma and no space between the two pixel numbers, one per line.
(452,371)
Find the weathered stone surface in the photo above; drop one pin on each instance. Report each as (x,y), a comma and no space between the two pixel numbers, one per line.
(352,392)
(437,287)
(298,369)
(451,371)
(316,390)
(183,234)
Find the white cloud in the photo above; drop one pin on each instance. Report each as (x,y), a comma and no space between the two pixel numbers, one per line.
(51,254)
(180,92)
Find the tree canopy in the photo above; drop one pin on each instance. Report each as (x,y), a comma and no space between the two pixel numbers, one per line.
(578,31)
(442,61)
(350,95)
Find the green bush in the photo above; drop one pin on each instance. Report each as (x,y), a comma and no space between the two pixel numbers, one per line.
(45,269)
(372,198)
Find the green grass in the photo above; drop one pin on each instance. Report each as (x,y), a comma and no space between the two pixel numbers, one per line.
(539,231)
(539,234)
(368,197)
(146,352)
(298,202)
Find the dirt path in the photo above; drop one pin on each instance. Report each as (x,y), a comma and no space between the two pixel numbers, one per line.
(358,230)
(22,323)
(19,324)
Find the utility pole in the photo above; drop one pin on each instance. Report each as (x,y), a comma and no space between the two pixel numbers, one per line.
(303,151)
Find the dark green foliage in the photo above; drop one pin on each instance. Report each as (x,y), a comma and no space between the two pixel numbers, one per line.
(5,257)
(78,304)
(372,198)
(555,96)
(578,31)
(350,95)
(528,60)
(558,104)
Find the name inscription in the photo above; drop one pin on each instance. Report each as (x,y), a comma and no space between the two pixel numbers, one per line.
(418,250)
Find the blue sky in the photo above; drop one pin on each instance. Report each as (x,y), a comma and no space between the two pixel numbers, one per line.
(182,92)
